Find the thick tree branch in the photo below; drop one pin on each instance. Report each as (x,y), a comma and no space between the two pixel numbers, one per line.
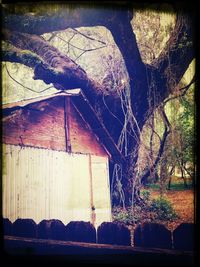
(175,57)
(24,57)
(79,17)
(49,64)
(66,17)
(162,144)
(181,92)
(125,39)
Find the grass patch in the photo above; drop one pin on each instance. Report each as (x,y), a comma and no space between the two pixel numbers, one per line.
(176,184)
(180,186)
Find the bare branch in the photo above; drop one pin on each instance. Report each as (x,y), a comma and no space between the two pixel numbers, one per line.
(188,86)
(88,37)
(162,143)
(161,149)
(85,50)
(154,132)
(184,89)
(21,56)
(53,35)
(111,111)
(164,117)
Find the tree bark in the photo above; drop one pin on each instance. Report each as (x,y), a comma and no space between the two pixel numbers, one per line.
(170,176)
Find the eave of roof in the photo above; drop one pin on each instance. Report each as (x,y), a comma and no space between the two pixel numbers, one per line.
(98,128)
(23,103)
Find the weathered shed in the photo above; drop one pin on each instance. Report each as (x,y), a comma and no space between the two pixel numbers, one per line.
(55,160)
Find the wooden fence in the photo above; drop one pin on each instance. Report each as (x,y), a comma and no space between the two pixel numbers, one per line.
(146,235)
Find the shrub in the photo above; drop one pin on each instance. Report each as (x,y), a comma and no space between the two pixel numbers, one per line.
(156,210)
(163,209)
(129,216)
(145,195)
(122,215)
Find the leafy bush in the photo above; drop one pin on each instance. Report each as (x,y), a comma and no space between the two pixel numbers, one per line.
(163,209)
(155,210)
(145,195)
(122,215)
(131,216)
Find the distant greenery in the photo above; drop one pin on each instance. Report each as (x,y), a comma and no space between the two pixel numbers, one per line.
(178,154)
(181,186)
(176,184)
(173,186)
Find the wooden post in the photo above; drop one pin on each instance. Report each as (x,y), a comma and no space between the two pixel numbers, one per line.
(93,214)
(67,123)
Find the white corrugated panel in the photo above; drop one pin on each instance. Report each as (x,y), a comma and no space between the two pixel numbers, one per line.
(101,189)
(45,184)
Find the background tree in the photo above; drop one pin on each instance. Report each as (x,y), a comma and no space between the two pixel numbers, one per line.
(180,148)
(168,140)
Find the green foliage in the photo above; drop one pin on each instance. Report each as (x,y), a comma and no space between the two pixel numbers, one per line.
(185,124)
(145,195)
(122,215)
(155,210)
(175,185)
(163,209)
(180,186)
(131,215)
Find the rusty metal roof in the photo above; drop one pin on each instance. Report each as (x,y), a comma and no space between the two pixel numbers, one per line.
(23,103)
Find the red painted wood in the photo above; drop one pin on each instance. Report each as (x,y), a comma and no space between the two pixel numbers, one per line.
(42,125)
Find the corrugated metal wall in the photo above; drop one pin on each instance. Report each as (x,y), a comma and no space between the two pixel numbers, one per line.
(101,189)
(45,184)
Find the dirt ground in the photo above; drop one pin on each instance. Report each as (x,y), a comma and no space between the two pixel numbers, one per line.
(183,203)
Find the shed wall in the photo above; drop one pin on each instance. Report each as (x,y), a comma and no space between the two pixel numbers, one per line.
(81,136)
(46,184)
(38,125)
(101,189)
